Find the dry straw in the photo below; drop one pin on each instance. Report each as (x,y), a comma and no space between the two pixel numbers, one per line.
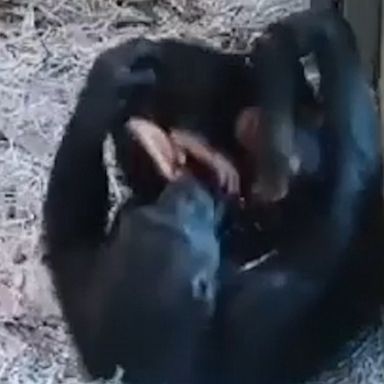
(46,48)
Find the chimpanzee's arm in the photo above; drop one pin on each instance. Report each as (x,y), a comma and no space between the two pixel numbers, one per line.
(76,207)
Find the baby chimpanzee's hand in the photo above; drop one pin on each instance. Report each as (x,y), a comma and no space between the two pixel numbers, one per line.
(225,172)
(168,157)
(169,153)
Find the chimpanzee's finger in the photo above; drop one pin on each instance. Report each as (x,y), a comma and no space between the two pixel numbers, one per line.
(157,144)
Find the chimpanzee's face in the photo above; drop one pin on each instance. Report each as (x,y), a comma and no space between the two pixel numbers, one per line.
(270,154)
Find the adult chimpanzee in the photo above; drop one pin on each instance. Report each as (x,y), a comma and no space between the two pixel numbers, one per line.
(281,321)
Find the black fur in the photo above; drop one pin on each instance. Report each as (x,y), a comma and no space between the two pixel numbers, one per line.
(204,90)
(280,322)
(275,322)
(139,295)
(197,88)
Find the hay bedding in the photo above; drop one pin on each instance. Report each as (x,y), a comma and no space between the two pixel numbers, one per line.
(46,48)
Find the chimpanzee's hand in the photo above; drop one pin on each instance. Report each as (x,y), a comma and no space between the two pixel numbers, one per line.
(306,27)
(167,157)
(225,172)
(117,83)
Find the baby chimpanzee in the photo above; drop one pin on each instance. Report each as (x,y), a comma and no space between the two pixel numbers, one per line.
(231,102)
